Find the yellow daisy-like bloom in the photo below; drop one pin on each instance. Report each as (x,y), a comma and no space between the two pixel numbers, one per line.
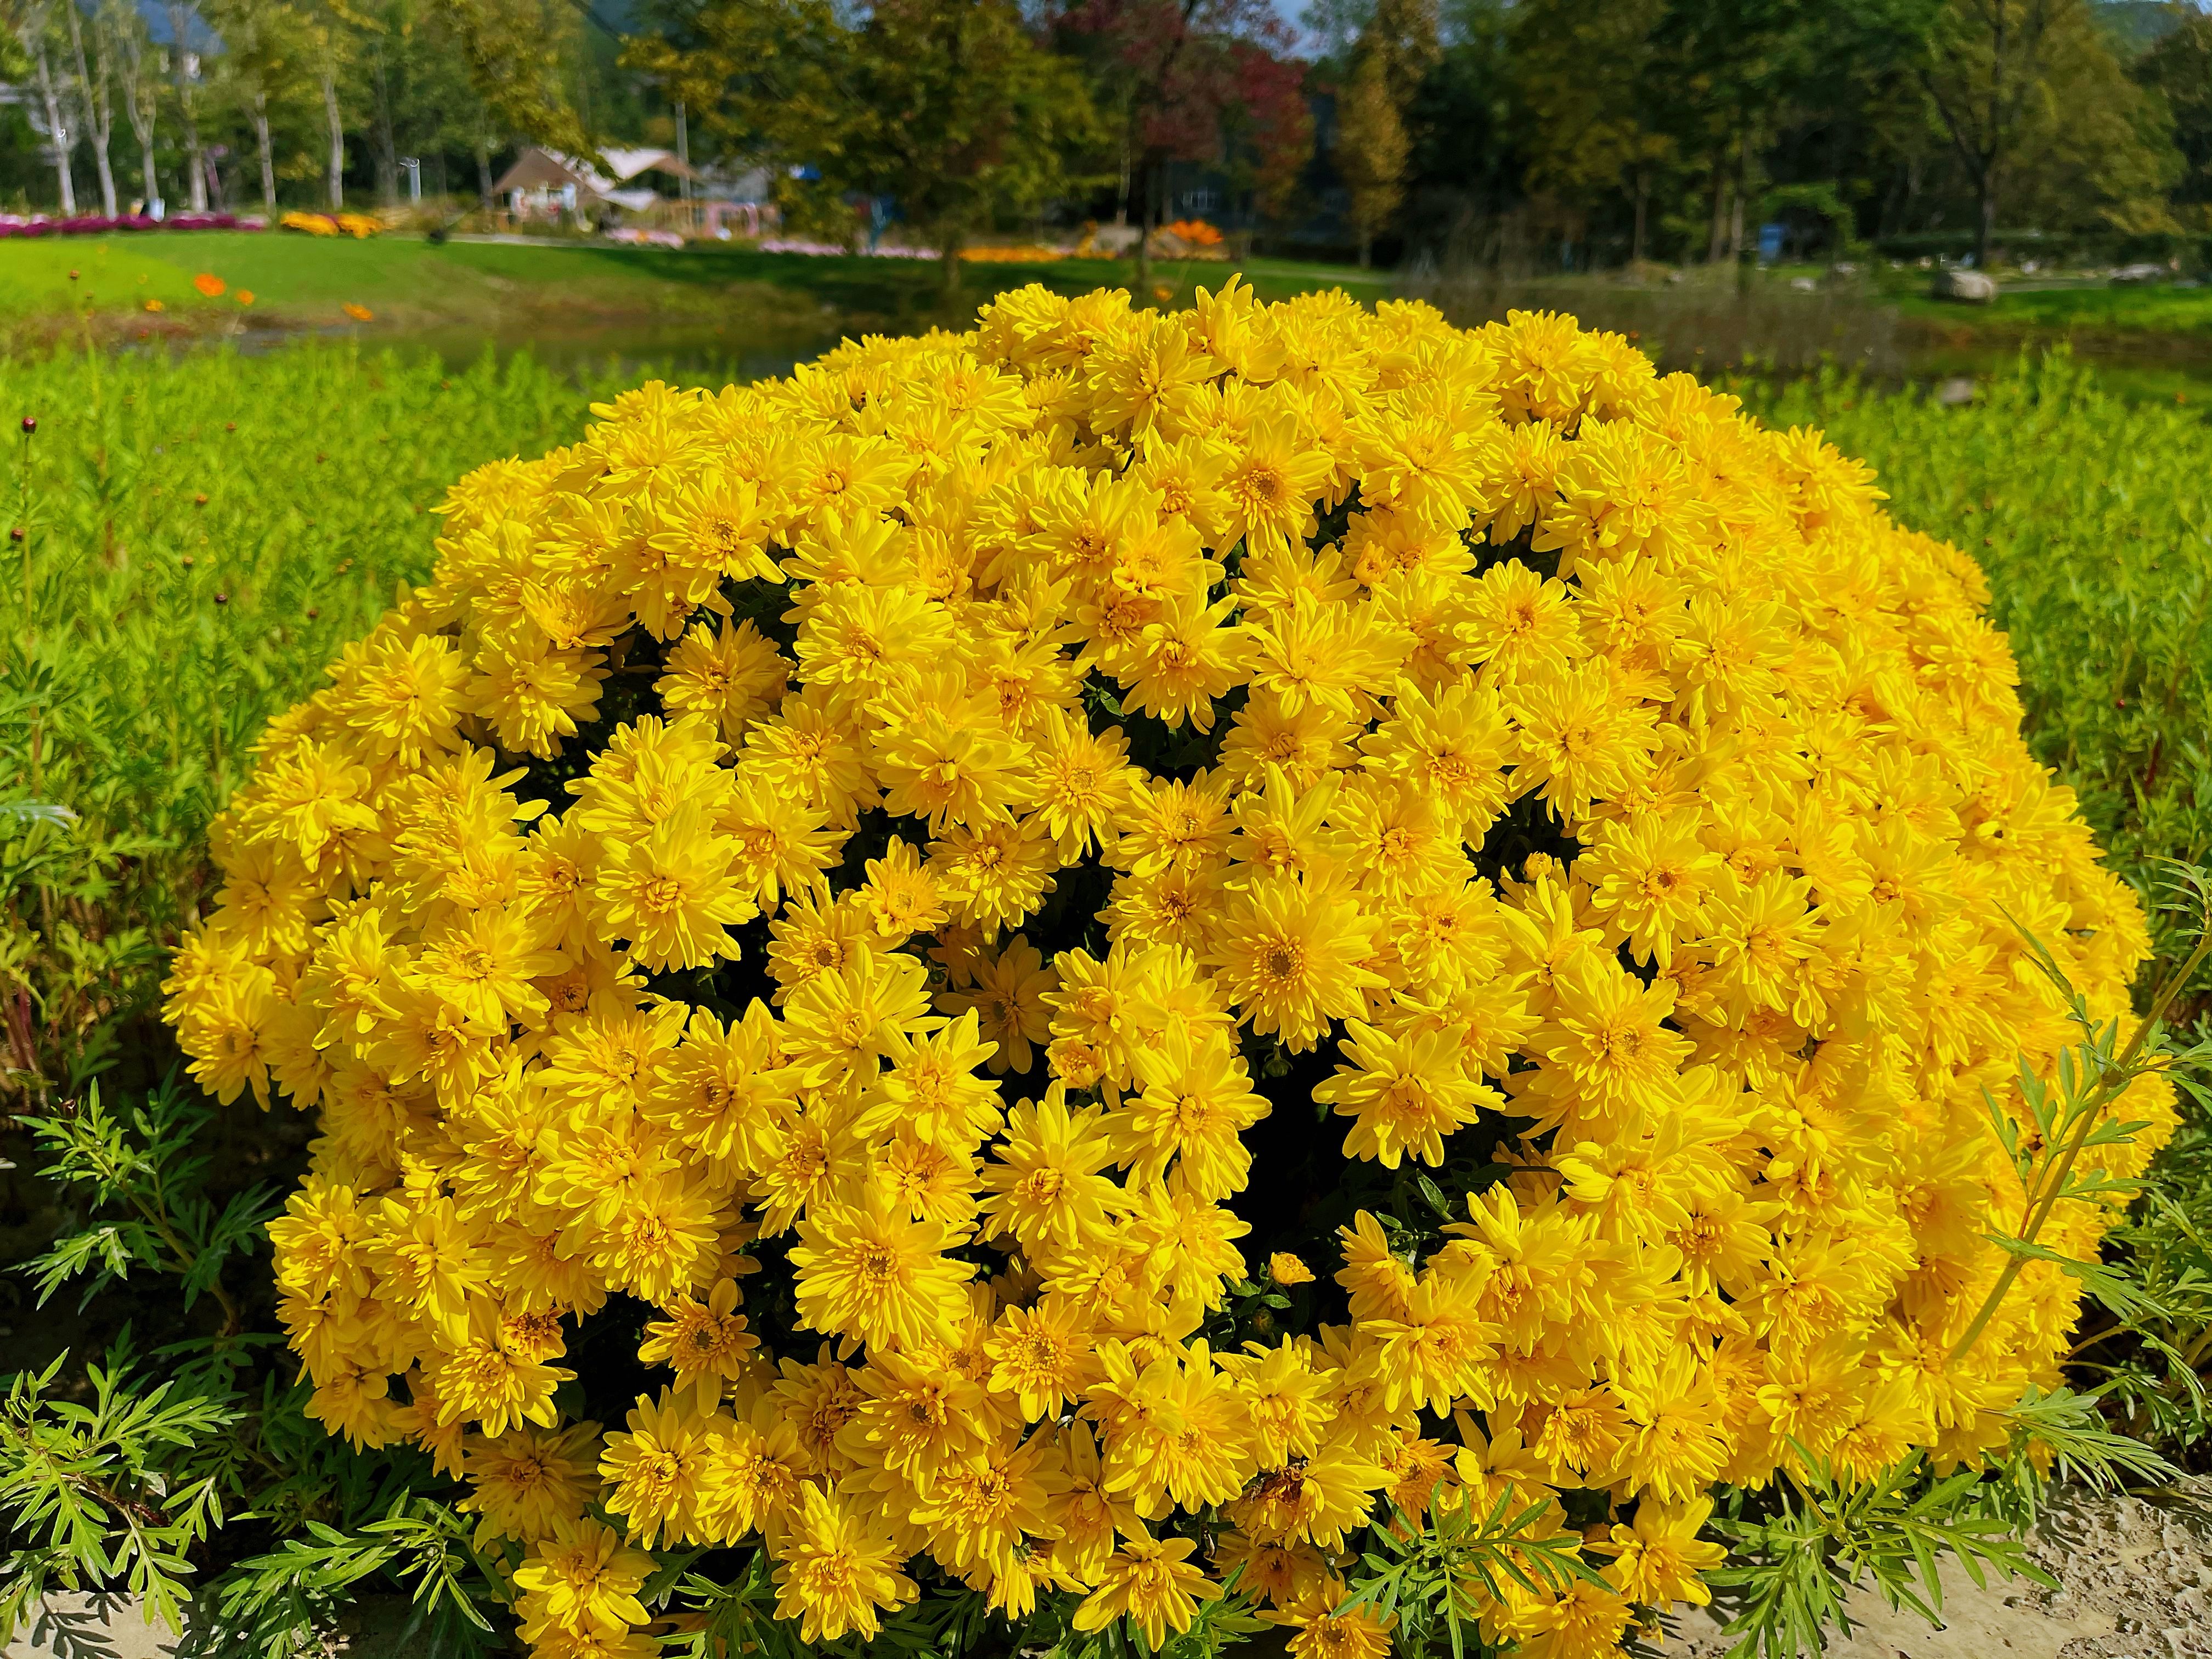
(886,1279)
(834,1574)
(1153,1585)
(1320,1632)
(582,1579)
(1037,810)
(530,1483)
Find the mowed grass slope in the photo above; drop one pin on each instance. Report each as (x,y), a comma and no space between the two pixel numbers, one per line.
(409,280)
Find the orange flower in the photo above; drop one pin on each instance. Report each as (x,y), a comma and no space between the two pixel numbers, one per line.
(209,284)
(244,296)
(359,313)
(155,305)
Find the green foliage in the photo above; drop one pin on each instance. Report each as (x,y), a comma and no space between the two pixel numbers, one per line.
(145,1193)
(1432,1578)
(1792,1567)
(89,1491)
(199,538)
(114,1480)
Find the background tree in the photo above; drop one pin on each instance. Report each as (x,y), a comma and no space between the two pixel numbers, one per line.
(2178,69)
(1174,76)
(1594,90)
(95,83)
(35,31)
(1371,145)
(331,29)
(184,81)
(266,51)
(951,108)
(517,53)
(1402,35)
(138,77)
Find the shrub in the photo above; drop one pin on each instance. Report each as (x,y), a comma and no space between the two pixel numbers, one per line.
(1125,969)
(2090,516)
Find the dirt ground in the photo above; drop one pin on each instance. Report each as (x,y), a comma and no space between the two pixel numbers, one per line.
(2134,1583)
(2134,1577)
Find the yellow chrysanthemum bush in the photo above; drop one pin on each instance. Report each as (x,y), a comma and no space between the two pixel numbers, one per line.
(1057,967)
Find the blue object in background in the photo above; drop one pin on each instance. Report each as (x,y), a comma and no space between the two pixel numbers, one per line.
(1770,244)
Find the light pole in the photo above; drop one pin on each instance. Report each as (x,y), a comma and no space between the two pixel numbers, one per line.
(683,158)
(413,164)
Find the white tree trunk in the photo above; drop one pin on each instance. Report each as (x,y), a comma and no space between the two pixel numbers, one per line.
(195,160)
(58,131)
(99,112)
(337,139)
(268,156)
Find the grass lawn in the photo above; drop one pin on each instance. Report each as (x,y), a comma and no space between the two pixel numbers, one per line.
(411,285)
(2147,307)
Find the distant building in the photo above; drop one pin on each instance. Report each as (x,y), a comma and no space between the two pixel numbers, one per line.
(544,184)
(735,201)
(715,201)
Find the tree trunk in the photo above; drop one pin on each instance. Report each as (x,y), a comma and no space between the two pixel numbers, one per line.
(1717,234)
(1145,235)
(483,170)
(387,151)
(948,242)
(1122,193)
(1643,207)
(58,133)
(142,128)
(337,139)
(99,112)
(268,155)
(1737,247)
(1985,219)
(195,161)
(1366,250)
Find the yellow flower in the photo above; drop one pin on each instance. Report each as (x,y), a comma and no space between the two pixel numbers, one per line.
(654,1469)
(672,895)
(529,1483)
(1246,713)
(1323,1633)
(833,1573)
(581,1579)
(705,1343)
(870,1274)
(1153,1585)
(1293,959)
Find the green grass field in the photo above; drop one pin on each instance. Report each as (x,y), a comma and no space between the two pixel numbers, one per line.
(411,285)
(2148,307)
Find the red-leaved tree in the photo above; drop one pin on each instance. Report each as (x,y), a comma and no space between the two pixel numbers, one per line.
(1200,80)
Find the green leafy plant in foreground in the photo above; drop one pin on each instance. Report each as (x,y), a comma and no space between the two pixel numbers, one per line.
(125,1488)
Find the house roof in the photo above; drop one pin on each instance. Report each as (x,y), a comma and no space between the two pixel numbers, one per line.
(548,169)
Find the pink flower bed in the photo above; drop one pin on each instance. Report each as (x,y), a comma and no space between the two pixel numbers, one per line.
(794,244)
(98,224)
